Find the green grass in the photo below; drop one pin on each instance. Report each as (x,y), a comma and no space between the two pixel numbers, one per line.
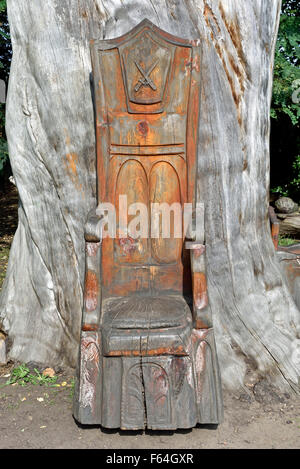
(71,394)
(284,241)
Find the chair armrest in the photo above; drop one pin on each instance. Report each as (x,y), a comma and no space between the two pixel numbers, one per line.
(92,282)
(201,311)
(272,216)
(195,230)
(274,226)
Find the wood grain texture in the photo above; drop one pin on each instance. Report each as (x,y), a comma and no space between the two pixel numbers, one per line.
(50,128)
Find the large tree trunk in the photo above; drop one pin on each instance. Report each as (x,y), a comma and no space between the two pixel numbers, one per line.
(50,128)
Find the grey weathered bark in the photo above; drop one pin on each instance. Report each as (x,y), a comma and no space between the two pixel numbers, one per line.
(290,226)
(50,128)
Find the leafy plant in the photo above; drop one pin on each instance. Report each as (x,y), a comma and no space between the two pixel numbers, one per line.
(22,375)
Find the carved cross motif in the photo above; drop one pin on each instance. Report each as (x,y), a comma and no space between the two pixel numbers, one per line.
(146,80)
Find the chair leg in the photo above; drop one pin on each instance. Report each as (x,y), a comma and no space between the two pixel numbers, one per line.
(88,387)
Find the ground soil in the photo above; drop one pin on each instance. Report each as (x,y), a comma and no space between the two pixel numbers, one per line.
(35,416)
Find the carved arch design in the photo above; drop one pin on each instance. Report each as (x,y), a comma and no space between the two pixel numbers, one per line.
(132,182)
(158,395)
(164,187)
(133,406)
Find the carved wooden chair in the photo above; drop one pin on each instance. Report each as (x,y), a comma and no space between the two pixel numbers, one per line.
(147,355)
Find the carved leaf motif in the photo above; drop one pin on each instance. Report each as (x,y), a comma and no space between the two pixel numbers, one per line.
(90,368)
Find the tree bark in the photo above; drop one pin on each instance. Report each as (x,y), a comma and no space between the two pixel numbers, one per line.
(50,129)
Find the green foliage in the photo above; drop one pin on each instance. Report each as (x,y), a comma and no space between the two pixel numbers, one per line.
(287,61)
(4,32)
(285,111)
(23,376)
(2,5)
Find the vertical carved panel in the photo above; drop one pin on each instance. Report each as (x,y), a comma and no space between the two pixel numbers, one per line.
(115,95)
(132,407)
(165,188)
(111,392)
(207,377)
(132,182)
(158,396)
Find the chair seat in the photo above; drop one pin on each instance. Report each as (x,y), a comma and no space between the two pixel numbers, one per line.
(152,312)
(146,325)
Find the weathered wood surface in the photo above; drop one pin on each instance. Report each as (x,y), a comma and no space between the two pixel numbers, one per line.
(164,392)
(50,127)
(290,226)
(3,354)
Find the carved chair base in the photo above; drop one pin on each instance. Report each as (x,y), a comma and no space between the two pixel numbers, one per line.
(164,392)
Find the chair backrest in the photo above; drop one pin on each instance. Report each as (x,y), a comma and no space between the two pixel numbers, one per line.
(146,87)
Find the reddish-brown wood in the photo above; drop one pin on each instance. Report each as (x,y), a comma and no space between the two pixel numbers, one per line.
(145,140)
(274,226)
